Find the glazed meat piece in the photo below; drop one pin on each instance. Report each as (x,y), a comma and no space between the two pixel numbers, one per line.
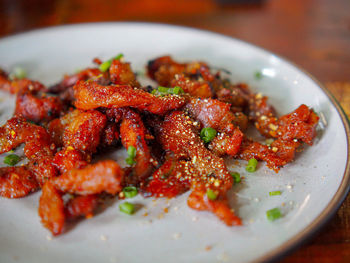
(198,200)
(16,182)
(17,131)
(167,180)
(104,176)
(178,135)
(276,155)
(132,133)
(164,69)
(19,85)
(121,74)
(81,206)
(198,88)
(69,158)
(37,108)
(79,129)
(51,209)
(299,124)
(92,96)
(217,115)
(110,135)
(43,168)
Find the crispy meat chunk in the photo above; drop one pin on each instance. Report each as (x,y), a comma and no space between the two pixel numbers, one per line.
(299,124)
(121,74)
(16,182)
(198,200)
(43,169)
(104,176)
(19,85)
(37,108)
(80,129)
(17,131)
(69,158)
(217,115)
(165,180)
(277,155)
(51,209)
(92,95)
(132,132)
(198,88)
(178,135)
(81,206)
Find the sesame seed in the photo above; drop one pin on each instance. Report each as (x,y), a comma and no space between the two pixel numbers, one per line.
(103,237)
(176,236)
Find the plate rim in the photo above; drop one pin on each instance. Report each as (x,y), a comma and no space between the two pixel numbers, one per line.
(342,191)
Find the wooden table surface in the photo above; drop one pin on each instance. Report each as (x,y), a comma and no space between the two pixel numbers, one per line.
(314,34)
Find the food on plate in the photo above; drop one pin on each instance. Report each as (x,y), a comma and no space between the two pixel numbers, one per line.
(176,135)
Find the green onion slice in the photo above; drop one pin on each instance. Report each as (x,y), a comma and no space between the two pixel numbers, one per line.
(236,177)
(127,208)
(131,155)
(12,159)
(272,193)
(208,134)
(211,194)
(251,166)
(18,73)
(162,91)
(273,214)
(130,191)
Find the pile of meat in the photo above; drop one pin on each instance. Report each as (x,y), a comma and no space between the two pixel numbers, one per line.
(63,128)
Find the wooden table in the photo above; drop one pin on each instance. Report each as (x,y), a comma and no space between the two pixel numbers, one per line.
(313,34)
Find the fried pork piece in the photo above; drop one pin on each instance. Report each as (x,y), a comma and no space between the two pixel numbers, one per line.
(104,176)
(19,85)
(17,131)
(37,107)
(69,158)
(166,180)
(70,80)
(79,129)
(198,200)
(43,168)
(217,115)
(194,77)
(178,135)
(81,206)
(121,73)
(16,182)
(132,133)
(299,124)
(164,69)
(238,95)
(90,95)
(51,209)
(110,135)
(277,155)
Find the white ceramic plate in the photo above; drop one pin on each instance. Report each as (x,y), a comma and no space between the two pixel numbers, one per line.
(312,187)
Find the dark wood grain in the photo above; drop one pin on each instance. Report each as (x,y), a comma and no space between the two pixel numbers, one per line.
(314,34)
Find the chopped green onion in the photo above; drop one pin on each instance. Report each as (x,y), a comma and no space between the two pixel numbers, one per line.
(127,208)
(208,134)
(258,75)
(211,194)
(166,91)
(273,214)
(272,193)
(106,65)
(130,191)
(251,166)
(236,177)
(18,73)
(177,90)
(131,155)
(12,159)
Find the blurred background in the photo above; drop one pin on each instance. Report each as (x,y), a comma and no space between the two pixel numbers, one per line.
(314,34)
